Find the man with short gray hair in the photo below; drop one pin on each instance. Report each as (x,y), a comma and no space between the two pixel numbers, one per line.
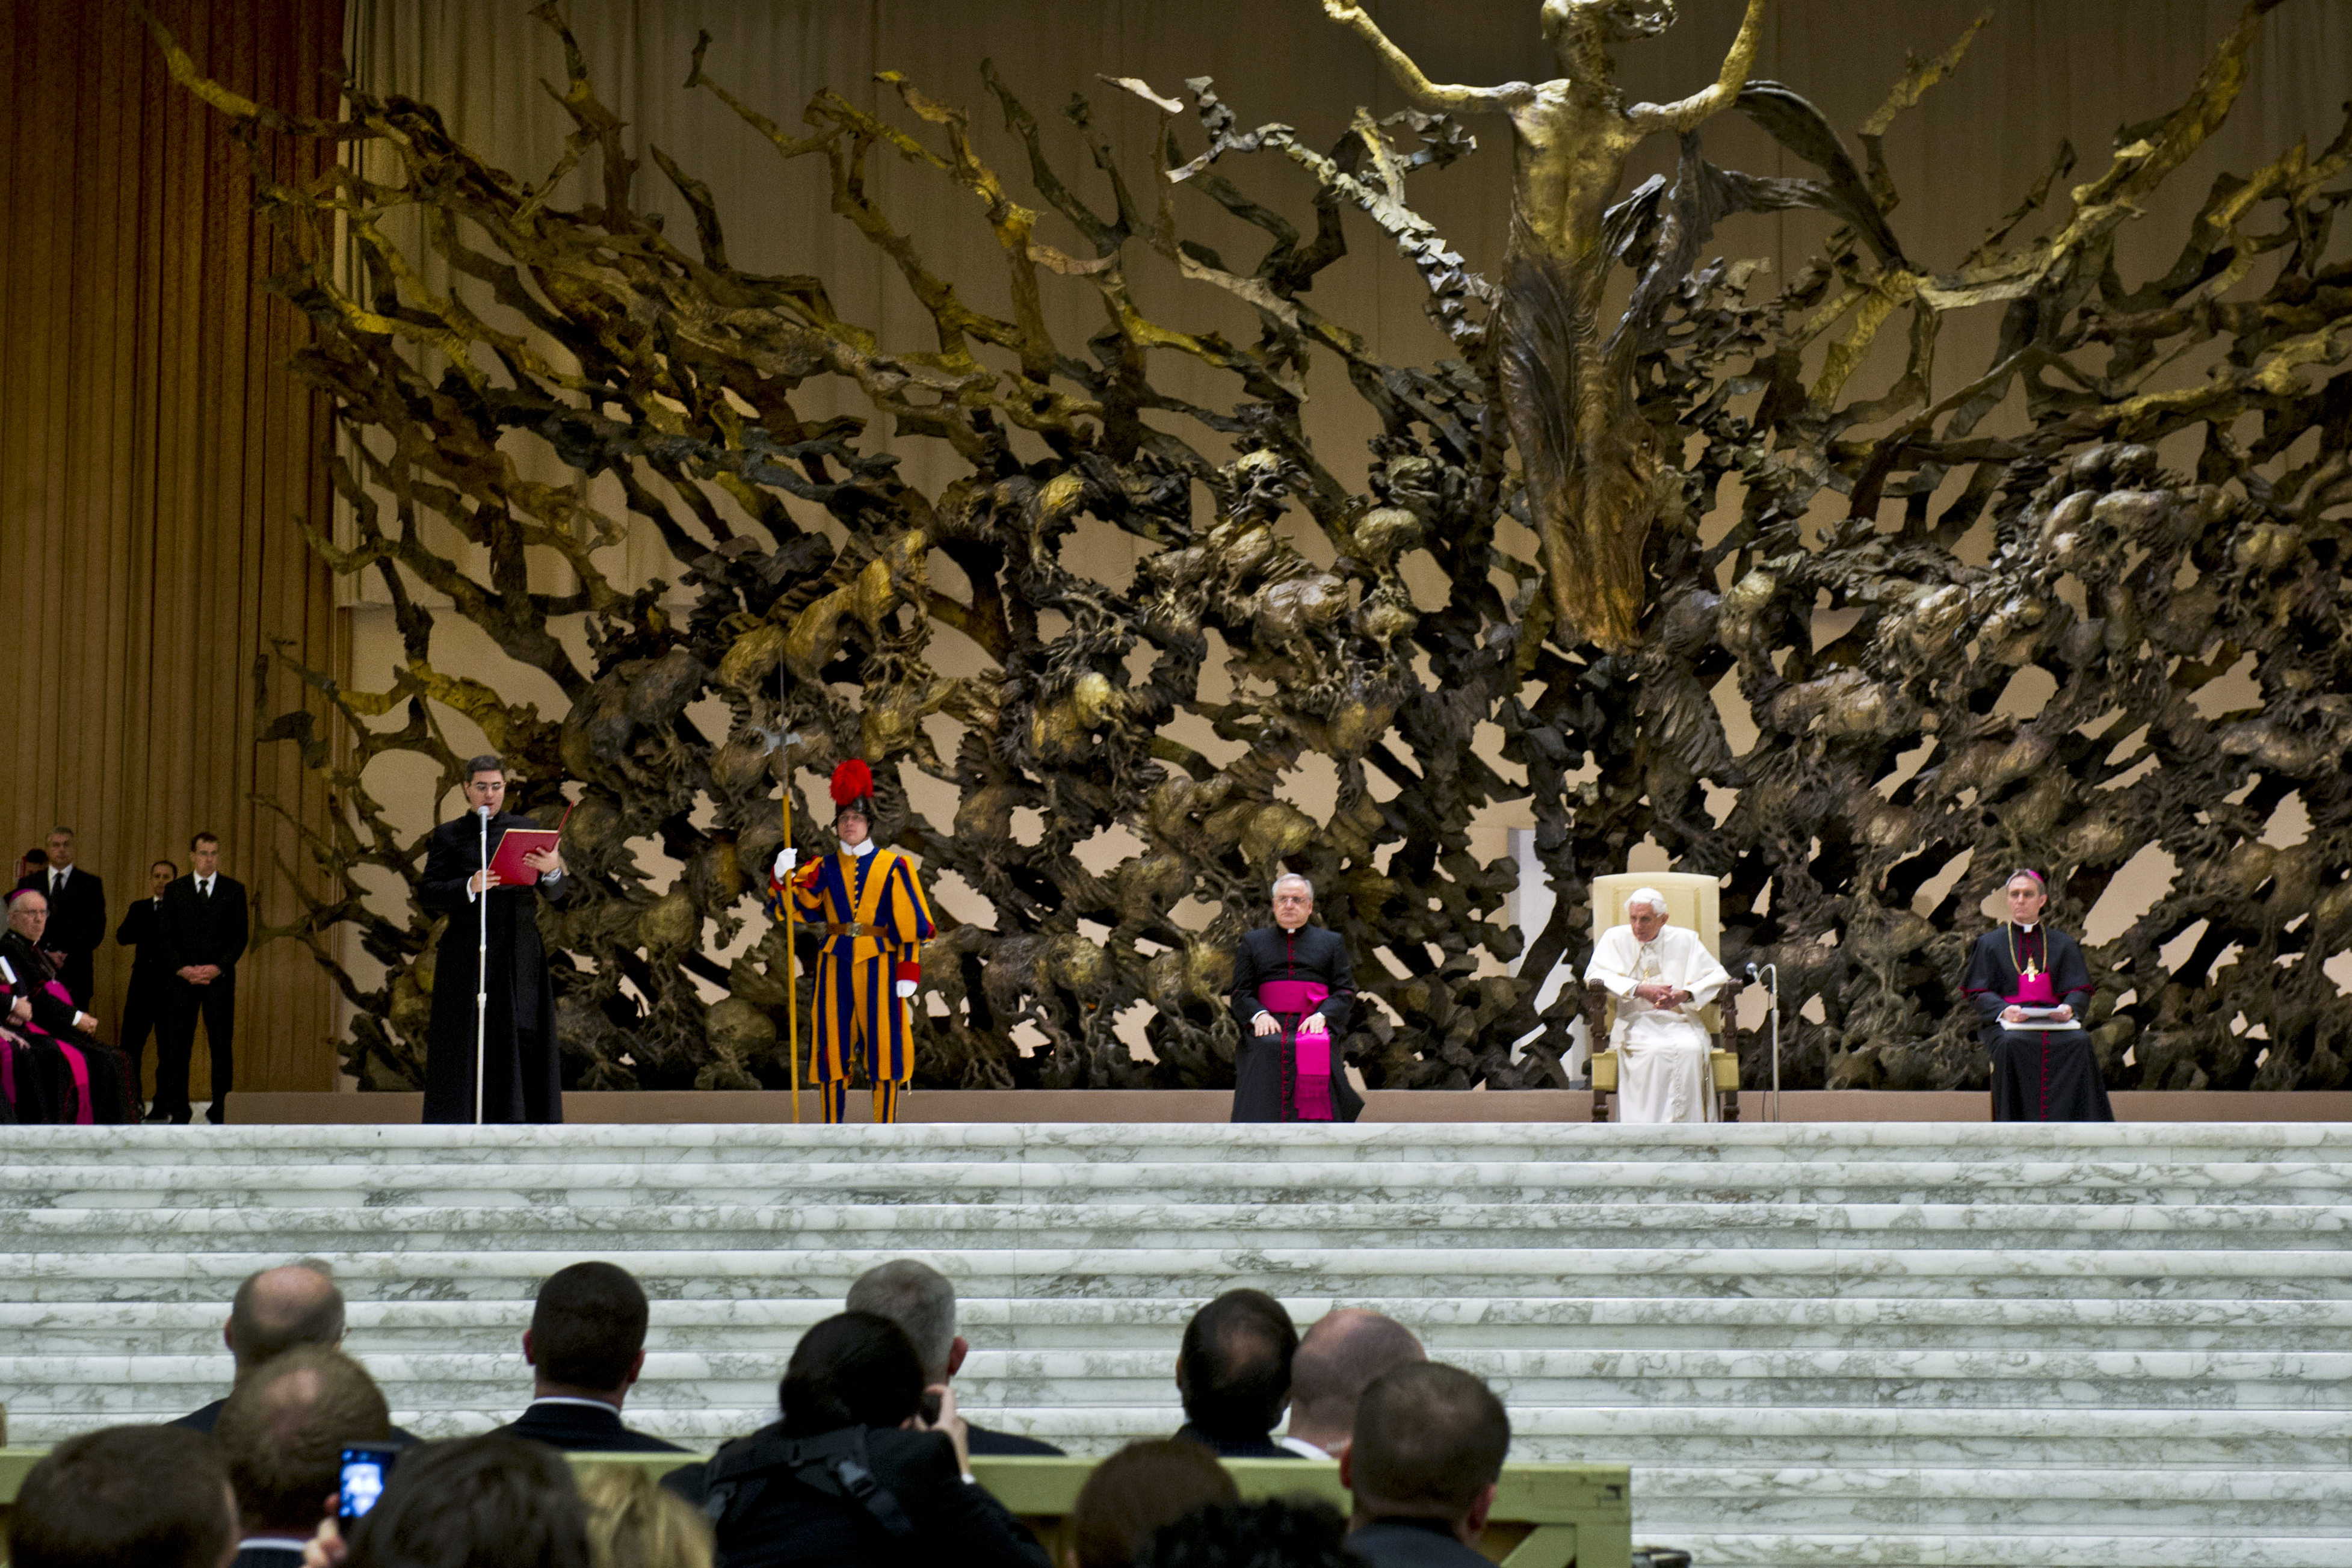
(1292,994)
(1661,977)
(921,1302)
(274,1310)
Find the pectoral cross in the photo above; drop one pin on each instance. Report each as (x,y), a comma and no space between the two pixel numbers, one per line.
(2032,969)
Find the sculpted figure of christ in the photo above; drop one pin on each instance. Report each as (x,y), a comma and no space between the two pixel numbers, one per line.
(1595,480)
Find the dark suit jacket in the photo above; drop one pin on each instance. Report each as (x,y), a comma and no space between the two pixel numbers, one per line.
(141,931)
(583,1429)
(269,1557)
(1261,1448)
(197,930)
(1005,1445)
(206,1417)
(1411,1543)
(77,924)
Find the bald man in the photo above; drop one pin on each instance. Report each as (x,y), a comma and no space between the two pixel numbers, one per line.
(275,1311)
(1336,1360)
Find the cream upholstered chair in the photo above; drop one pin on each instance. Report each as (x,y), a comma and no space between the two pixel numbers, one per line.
(1694,903)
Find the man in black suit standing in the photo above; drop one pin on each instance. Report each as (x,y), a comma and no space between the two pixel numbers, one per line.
(521,1080)
(141,932)
(587,1345)
(204,927)
(77,914)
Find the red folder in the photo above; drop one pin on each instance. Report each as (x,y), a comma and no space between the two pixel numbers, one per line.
(513,845)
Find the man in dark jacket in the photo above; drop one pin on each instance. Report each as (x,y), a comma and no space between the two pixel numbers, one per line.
(1232,1373)
(1292,994)
(521,1077)
(1428,1447)
(921,1302)
(76,913)
(205,929)
(141,932)
(587,1345)
(856,1475)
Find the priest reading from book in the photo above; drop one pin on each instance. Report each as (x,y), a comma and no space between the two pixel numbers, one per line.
(2031,987)
(521,1078)
(870,905)
(1662,976)
(1292,994)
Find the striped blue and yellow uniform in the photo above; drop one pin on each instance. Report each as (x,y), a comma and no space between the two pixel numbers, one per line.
(859,1014)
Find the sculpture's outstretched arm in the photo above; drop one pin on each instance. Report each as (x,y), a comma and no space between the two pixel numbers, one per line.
(1688,112)
(1418,87)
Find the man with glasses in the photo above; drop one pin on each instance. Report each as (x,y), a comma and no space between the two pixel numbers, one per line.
(1292,994)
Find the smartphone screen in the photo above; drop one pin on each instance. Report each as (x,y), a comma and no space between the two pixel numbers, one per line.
(365,1470)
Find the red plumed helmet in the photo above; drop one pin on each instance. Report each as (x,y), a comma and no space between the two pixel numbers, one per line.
(851,782)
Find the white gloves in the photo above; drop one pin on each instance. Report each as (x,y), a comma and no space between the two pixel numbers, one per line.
(904,987)
(785,861)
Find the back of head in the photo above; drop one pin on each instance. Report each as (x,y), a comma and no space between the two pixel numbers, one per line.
(282,1434)
(633,1523)
(1429,1439)
(279,1309)
(854,1369)
(1234,1367)
(155,1496)
(1139,1489)
(588,1326)
(919,1299)
(476,1502)
(1276,1533)
(1338,1359)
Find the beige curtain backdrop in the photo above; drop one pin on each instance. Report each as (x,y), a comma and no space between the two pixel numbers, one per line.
(154,455)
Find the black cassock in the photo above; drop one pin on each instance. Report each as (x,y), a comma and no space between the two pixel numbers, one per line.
(57,1071)
(1265,1077)
(522,1080)
(2038,1074)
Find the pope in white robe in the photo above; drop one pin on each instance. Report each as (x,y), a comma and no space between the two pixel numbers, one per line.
(1662,976)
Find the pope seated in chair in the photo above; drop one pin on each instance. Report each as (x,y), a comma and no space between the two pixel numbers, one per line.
(1663,977)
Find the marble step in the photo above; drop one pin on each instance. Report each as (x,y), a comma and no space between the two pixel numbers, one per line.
(1447,1324)
(1567,1143)
(332,1183)
(1147,1228)
(1829,1547)
(171,1274)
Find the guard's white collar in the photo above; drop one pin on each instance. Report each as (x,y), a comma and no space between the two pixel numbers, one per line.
(860,849)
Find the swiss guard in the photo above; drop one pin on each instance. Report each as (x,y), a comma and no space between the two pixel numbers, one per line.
(869,904)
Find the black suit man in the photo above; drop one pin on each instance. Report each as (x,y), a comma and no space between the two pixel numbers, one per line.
(204,928)
(141,932)
(1426,1451)
(586,1344)
(77,914)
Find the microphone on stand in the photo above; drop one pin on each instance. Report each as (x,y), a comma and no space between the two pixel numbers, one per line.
(482,966)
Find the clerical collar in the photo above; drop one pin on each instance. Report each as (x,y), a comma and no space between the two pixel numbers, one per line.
(861,849)
(2026,926)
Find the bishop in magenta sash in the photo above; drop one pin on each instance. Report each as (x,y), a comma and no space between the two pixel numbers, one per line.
(1292,994)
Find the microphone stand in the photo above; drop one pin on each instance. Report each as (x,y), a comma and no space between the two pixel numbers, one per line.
(1774,984)
(482,967)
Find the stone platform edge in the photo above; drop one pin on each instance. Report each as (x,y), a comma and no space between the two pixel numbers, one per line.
(673,1107)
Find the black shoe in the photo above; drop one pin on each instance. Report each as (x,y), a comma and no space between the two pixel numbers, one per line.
(214,1116)
(156,1113)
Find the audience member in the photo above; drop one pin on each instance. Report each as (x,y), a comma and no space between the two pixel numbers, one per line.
(69,1075)
(1281,1532)
(203,926)
(273,1311)
(142,997)
(283,1432)
(1233,1374)
(1143,1488)
(855,1474)
(1336,1360)
(476,1503)
(920,1300)
(77,914)
(1429,1444)
(633,1523)
(154,1496)
(586,1344)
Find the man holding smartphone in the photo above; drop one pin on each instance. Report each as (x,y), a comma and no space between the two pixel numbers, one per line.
(284,1433)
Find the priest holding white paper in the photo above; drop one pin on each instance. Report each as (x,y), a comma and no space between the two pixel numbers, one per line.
(1661,977)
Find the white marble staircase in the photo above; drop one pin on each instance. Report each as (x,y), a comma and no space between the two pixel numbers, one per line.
(2118,1347)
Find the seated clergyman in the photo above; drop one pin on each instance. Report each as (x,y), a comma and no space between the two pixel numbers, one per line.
(1661,977)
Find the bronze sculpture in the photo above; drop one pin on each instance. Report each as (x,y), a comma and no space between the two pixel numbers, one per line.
(1889,783)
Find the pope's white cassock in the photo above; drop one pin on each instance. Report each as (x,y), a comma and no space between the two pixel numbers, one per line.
(1662,1052)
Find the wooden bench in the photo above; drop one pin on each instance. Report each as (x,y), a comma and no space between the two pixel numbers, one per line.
(1545,1516)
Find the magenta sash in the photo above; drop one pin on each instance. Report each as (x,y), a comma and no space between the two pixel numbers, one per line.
(1310,1052)
(75,1063)
(8,1067)
(2034,990)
